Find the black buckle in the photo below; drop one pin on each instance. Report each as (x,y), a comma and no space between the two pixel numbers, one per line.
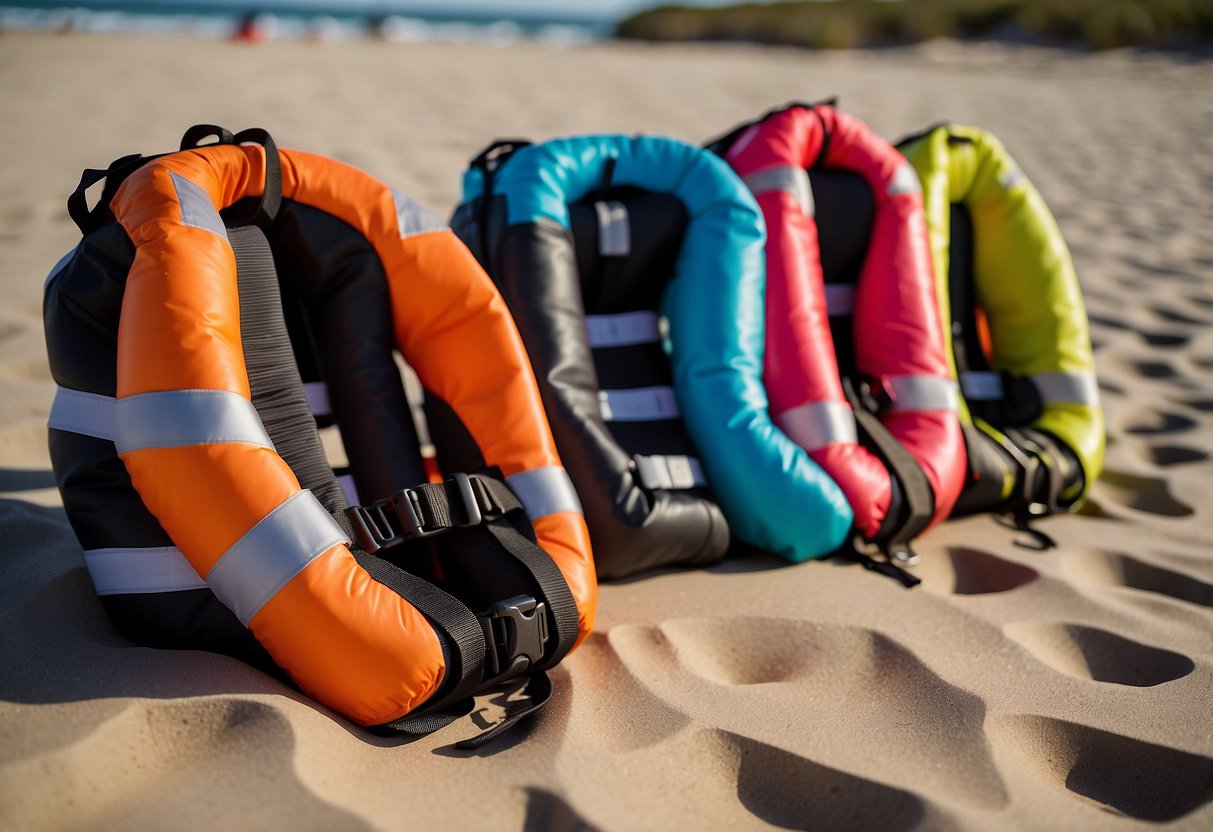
(515,631)
(377,528)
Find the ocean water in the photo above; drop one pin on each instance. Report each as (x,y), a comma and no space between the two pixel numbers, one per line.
(311,19)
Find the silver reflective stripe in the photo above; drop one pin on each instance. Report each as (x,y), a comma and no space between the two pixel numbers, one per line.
(840,299)
(614,234)
(318,398)
(272,552)
(639,404)
(981,386)
(1011,178)
(915,393)
(669,472)
(544,491)
(197,209)
(90,414)
(743,142)
(60,266)
(793,180)
(622,330)
(1080,388)
(905,181)
(1063,387)
(137,571)
(818,424)
(174,418)
(411,218)
(350,490)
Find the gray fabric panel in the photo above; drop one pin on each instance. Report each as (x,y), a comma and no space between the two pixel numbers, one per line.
(175,418)
(669,472)
(136,571)
(981,386)
(197,210)
(818,424)
(544,491)
(614,233)
(90,414)
(275,550)
(916,393)
(784,178)
(412,218)
(639,404)
(622,330)
(840,299)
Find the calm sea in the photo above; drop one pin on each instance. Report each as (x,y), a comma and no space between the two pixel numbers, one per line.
(399,21)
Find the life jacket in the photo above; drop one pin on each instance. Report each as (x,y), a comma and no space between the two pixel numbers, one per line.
(1020,341)
(633,267)
(187,456)
(855,363)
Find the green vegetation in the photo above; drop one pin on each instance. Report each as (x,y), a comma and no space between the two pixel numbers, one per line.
(841,24)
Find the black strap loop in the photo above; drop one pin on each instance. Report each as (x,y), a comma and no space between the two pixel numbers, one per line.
(271,197)
(194,136)
(89,220)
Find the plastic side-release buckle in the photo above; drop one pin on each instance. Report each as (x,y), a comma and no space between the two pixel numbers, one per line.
(515,630)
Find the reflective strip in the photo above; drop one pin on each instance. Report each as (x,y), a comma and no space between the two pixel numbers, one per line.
(905,181)
(915,393)
(840,299)
(669,472)
(614,234)
(197,209)
(744,141)
(622,330)
(818,424)
(1064,387)
(639,404)
(175,418)
(317,393)
(1054,388)
(411,218)
(272,552)
(980,386)
(544,491)
(90,414)
(793,180)
(60,266)
(138,571)
(346,481)
(1011,178)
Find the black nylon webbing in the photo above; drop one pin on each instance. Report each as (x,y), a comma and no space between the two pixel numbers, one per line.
(462,649)
(919,499)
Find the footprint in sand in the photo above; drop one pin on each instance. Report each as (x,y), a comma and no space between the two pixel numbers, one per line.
(794,792)
(975,572)
(1165,339)
(1164,456)
(1154,422)
(1151,495)
(1120,774)
(1173,317)
(1098,655)
(1114,569)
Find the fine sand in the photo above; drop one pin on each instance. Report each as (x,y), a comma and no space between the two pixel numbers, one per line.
(1016,689)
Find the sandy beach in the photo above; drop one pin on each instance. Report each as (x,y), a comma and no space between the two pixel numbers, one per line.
(1015,689)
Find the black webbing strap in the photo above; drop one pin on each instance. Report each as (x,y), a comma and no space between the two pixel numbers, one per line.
(88,219)
(266,210)
(463,647)
(464,501)
(487,162)
(910,514)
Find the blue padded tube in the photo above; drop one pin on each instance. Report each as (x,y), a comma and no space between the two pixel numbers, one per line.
(773,495)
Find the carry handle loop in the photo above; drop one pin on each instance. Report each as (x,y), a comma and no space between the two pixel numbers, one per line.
(271,196)
(89,219)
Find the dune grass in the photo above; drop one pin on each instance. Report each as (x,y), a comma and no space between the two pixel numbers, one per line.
(842,24)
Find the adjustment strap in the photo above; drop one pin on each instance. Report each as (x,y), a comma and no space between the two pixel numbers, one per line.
(913,502)
(464,666)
